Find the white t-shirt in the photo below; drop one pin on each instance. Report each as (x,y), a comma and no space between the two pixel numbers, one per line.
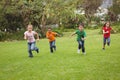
(30,36)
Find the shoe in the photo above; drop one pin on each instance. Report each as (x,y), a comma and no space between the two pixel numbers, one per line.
(51,52)
(37,50)
(103,48)
(84,53)
(78,51)
(31,56)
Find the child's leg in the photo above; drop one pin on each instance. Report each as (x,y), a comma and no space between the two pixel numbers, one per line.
(108,41)
(51,48)
(104,43)
(33,47)
(83,48)
(29,50)
(79,45)
(53,45)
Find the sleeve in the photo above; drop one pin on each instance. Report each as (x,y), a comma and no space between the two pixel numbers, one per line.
(54,33)
(46,34)
(110,28)
(85,34)
(102,28)
(25,33)
(76,31)
(34,32)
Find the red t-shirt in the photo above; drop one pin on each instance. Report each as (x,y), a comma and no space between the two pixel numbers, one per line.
(106,29)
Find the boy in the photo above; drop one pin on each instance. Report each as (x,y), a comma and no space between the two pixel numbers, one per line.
(106,34)
(29,35)
(81,34)
(51,36)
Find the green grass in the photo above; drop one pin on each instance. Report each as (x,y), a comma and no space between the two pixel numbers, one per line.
(65,63)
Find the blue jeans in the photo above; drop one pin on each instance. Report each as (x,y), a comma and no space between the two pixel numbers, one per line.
(106,40)
(52,46)
(81,45)
(31,47)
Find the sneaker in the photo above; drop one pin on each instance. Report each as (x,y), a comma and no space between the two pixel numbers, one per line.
(103,48)
(84,53)
(78,51)
(30,56)
(37,50)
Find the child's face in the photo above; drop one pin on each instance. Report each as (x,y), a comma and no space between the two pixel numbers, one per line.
(107,24)
(49,30)
(29,28)
(81,28)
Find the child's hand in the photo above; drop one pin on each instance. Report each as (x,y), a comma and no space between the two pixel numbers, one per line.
(25,38)
(59,35)
(107,32)
(83,39)
(37,39)
(115,31)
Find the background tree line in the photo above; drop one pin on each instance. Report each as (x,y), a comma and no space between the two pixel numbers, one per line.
(17,14)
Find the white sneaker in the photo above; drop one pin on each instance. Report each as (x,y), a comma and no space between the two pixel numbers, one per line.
(84,53)
(78,51)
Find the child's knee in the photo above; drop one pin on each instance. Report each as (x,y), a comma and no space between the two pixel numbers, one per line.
(32,48)
(29,50)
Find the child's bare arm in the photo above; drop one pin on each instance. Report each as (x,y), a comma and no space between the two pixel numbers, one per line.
(104,32)
(37,35)
(73,34)
(58,34)
(25,37)
(84,38)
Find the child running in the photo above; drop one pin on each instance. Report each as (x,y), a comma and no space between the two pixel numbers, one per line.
(51,36)
(106,34)
(29,36)
(81,34)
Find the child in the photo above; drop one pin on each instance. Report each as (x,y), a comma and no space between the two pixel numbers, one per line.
(51,36)
(29,35)
(81,34)
(106,34)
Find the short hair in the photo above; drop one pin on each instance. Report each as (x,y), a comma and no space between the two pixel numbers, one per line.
(49,28)
(81,24)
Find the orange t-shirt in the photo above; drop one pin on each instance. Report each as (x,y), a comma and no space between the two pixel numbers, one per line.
(51,36)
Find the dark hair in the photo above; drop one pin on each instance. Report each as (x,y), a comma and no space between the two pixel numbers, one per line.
(106,23)
(81,24)
(49,28)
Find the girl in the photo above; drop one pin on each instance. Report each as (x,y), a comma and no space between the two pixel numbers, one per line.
(106,34)
(29,35)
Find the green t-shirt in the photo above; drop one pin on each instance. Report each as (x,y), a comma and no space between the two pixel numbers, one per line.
(80,34)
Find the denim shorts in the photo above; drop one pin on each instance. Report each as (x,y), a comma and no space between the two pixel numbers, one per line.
(106,39)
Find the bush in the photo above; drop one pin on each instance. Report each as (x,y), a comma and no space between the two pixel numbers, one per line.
(2,34)
(11,36)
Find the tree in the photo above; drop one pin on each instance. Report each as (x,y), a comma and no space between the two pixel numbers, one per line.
(114,10)
(90,7)
(35,11)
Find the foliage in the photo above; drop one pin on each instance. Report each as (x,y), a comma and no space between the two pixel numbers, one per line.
(90,8)
(116,6)
(114,10)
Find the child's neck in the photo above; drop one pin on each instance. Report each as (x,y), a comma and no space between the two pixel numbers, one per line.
(81,30)
(29,31)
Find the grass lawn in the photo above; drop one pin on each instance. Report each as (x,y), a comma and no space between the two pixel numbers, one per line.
(65,63)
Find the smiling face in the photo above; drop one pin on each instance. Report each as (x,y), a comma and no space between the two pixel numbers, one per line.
(107,24)
(80,27)
(49,30)
(30,28)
